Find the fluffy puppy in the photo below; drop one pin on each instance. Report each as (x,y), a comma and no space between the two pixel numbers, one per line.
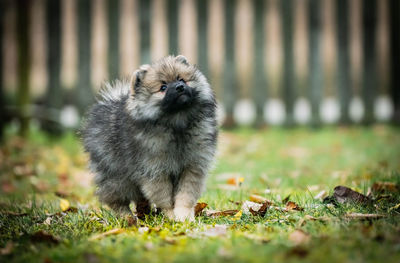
(153,140)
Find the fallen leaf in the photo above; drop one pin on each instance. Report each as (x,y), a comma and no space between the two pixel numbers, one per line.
(115,231)
(47,221)
(343,194)
(199,208)
(43,236)
(364,216)
(237,216)
(64,204)
(217,230)
(379,187)
(299,237)
(261,211)
(257,199)
(255,209)
(7,250)
(214,213)
(286,199)
(321,195)
(131,220)
(237,181)
(293,206)
(247,205)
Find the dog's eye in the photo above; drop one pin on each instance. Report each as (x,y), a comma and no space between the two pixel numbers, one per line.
(163,88)
(181,79)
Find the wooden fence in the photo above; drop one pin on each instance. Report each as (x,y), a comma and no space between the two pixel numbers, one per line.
(269,61)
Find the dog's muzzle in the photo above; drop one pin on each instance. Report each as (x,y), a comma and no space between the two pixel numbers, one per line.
(179,96)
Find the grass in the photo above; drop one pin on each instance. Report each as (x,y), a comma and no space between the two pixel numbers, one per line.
(37,173)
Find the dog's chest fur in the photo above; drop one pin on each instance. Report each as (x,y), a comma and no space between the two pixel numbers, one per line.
(172,151)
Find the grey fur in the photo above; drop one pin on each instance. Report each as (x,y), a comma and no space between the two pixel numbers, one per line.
(140,152)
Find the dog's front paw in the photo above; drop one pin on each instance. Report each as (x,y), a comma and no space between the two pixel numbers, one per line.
(169,213)
(184,213)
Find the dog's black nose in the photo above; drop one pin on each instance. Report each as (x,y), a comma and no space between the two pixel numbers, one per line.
(180,88)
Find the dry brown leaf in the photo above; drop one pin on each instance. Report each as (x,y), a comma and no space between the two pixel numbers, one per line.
(249,204)
(214,213)
(293,206)
(261,211)
(258,199)
(115,231)
(364,216)
(379,187)
(286,199)
(131,220)
(237,181)
(43,236)
(343,194)
(199,208)
(299,237)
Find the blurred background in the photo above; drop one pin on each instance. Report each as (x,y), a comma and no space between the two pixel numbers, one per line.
(270,62)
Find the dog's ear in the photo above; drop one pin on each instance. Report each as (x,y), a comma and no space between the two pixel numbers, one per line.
(182,59)
(138,76)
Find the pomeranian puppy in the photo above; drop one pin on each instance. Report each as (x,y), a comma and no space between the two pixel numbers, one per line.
(153,140)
